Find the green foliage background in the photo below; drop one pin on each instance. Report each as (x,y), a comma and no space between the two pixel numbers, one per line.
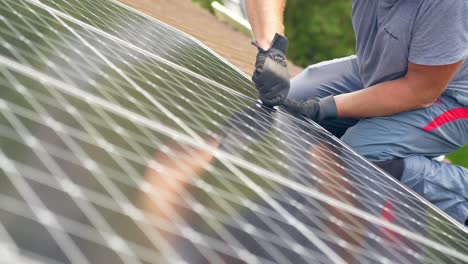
(205,3)
(321,30)
(460,157)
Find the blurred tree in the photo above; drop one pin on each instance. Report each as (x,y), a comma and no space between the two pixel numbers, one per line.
(460,156)
(318,30)
(205,3)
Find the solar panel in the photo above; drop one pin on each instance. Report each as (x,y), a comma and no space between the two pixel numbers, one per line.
(155,37)
(124,140)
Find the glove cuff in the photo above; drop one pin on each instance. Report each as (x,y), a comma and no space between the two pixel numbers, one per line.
(279,42)
(328,108)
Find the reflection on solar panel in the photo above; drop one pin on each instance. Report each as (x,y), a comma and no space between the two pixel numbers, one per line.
(126,141)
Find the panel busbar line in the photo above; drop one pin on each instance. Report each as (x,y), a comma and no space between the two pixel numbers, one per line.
(155,37)
(110,153)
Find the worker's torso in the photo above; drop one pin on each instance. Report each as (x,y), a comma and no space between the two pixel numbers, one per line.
(384,31)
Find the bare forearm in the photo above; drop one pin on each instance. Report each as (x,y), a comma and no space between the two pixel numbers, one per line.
(418,89)
(383,99)
(266,19)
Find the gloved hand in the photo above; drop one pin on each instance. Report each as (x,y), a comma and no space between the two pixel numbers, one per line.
(317,109)
(271,75)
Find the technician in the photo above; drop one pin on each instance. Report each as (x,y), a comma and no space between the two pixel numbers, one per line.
(400,101)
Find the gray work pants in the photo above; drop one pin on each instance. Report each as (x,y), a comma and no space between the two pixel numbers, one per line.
(414,137)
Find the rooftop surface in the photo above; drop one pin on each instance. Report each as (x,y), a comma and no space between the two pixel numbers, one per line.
(200,23)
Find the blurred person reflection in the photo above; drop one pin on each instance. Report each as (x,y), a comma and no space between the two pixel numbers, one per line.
(326,170)
(179,165)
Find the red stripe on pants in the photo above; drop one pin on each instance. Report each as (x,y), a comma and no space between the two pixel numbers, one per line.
(449,116)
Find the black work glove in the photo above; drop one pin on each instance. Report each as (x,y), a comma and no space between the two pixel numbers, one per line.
(317,109)
(271,75)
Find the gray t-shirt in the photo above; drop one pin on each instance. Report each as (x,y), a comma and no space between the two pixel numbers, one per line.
(389,33)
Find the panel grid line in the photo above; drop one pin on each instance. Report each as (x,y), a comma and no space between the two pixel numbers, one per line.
(181,137)
(144,147)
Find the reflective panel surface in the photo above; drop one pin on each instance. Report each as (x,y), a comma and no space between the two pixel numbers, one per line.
(117,152)
(114,19)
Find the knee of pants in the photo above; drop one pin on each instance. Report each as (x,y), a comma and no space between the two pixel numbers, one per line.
(326,78)
(377,139)
(444,185)
(365,147)
(421,173)
(308,84)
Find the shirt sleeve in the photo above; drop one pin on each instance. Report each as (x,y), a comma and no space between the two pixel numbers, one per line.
(440,34)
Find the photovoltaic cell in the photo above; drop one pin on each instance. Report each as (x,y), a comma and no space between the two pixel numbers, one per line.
(155,37)
(116,149)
